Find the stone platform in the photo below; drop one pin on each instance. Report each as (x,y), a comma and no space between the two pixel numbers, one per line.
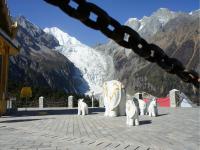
(62,129)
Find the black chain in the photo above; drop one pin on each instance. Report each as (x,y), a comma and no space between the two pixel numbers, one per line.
(124,36)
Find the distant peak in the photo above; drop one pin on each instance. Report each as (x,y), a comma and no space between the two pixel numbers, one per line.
(54,29)
(25,23)
(22,18)
(195,12)
(163,11)
(132,19)
(63,37)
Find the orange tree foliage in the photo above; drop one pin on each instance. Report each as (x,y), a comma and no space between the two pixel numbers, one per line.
(26,92)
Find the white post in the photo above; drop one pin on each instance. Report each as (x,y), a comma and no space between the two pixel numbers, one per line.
(92,99)
(70,102)
(9,104)
(174,96)
(10,101)
(101,103)
(41,102)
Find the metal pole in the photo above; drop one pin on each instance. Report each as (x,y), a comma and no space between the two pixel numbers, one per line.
(92,99)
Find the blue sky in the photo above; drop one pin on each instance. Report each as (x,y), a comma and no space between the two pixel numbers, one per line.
(44,15)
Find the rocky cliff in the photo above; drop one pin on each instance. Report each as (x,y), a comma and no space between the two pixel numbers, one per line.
(177,34)
(38,64)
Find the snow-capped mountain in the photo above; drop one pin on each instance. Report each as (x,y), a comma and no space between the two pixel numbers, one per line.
(62,37)
(91,63)
(39,65)
(177,33)
(148,26)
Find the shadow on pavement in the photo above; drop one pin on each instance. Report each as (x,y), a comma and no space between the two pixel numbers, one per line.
(21,120)
(143,122)
(52,112)
(161,115)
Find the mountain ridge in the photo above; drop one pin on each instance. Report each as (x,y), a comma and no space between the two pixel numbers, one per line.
(39,65)
(176,36)
(59,61)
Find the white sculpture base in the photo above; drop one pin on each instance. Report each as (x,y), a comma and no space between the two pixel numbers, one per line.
(109,113)
(132,122)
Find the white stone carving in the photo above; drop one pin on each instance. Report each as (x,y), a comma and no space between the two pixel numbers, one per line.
(114,98)
(82,107)
(152,109)
(142,107)
(138,95)
(132,116)
(141,103)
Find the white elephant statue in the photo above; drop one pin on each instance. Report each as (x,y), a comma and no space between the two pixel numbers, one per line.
(132,114)
(82,107)
(140,103)
(114,98)
(152,109)
(142,107)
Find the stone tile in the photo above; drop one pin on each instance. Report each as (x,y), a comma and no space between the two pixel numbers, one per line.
(175,128)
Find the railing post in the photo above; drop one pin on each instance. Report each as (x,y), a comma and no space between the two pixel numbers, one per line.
(4,78)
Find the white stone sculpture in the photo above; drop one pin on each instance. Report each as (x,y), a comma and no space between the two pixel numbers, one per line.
(135,100)
(142,107)
(138,95)
(132,118)
(152,109)
(114,98)
(82,107)
(142,104)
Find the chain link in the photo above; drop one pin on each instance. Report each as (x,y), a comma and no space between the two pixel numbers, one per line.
(125,36)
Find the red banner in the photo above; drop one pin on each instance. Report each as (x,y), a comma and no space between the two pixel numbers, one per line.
(162,102)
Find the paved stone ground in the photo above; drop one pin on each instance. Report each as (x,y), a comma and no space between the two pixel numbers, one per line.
(175,128)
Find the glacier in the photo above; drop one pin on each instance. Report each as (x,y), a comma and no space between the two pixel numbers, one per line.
(92,64)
